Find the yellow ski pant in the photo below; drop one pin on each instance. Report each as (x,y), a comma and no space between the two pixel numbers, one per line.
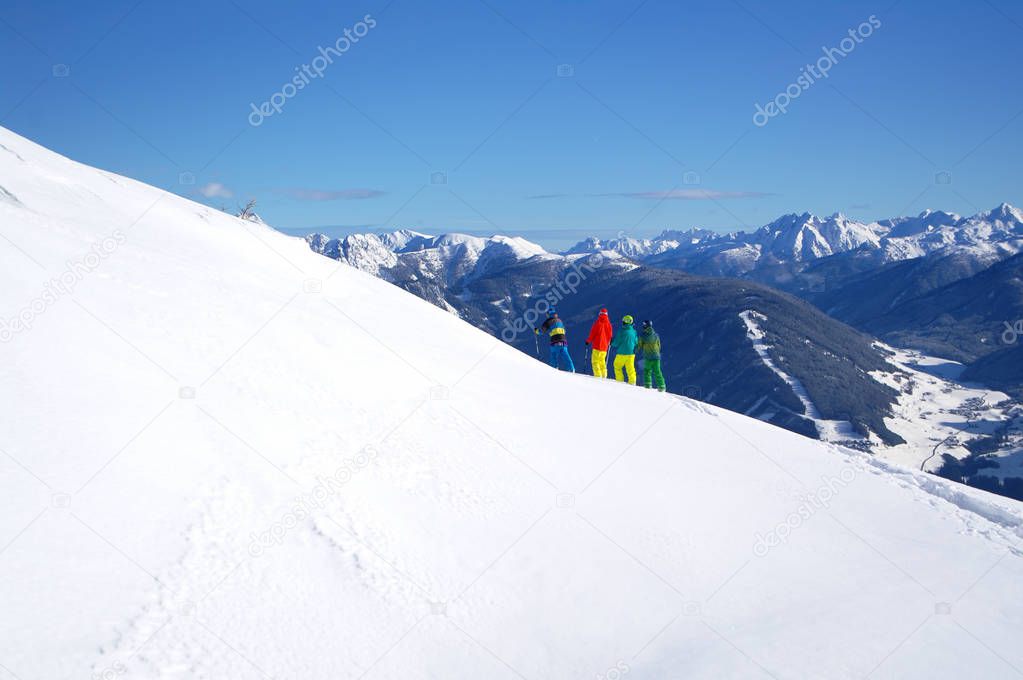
(599,361)
(628,362)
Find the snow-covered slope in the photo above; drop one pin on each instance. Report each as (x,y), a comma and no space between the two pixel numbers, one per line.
(226,456)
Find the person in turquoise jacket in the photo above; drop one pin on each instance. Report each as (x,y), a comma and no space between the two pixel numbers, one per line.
(650,349)
(624,346)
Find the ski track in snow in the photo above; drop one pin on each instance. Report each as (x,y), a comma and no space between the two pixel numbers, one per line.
(997,518)
(6,195)
(827,430)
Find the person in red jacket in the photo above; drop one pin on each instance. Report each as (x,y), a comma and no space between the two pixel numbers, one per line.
(599,340)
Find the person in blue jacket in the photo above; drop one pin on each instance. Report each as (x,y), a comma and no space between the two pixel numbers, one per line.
(624,346)
(554,328)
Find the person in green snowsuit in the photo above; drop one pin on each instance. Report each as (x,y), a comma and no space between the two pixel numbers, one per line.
(649,347)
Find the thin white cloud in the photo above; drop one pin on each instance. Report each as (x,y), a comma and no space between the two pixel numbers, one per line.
(689,194)
(215,190)
(331,195)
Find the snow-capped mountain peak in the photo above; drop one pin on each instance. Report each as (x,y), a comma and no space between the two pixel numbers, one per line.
(805,237)
(1004,214)
(449,257)
(397,240)
(626,246)
(796,239)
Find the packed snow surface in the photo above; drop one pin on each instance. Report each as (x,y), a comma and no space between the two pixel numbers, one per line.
(224,456)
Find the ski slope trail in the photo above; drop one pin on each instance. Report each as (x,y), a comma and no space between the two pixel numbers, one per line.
(224,456)
(827,430)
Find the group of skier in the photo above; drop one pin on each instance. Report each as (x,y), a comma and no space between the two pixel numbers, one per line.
(626,344)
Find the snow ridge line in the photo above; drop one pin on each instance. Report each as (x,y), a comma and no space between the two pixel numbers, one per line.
(1008,524)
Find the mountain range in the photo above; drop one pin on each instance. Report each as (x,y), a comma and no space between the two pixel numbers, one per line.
(781,252)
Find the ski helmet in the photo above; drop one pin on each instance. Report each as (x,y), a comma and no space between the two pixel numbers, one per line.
(552,313)
(603,311)
(627,319)
(648,324)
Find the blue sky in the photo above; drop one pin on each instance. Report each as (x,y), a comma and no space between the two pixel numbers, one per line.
(653,90)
